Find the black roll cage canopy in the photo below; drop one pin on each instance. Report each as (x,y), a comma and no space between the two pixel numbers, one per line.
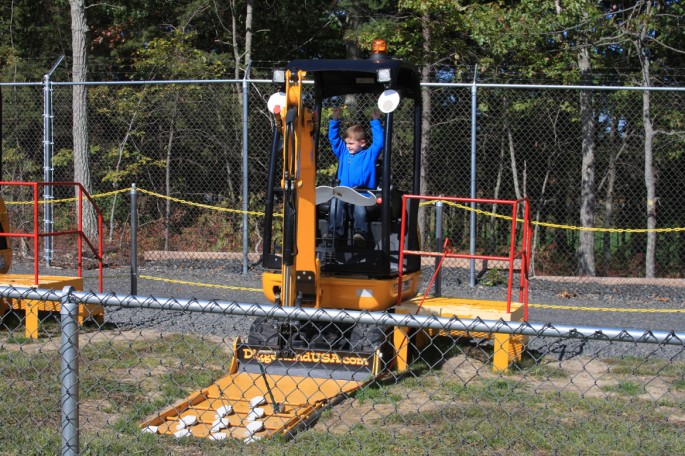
(337,77)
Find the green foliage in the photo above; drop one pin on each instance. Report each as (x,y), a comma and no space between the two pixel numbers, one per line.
(16,165)
(33,34)
(493,277)
(173,57)
(377,394)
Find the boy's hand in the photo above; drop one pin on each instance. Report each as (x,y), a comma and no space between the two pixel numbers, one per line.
(376,114)
(335,113)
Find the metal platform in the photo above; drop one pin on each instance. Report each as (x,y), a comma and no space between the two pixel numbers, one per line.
(31,307)
(508,347)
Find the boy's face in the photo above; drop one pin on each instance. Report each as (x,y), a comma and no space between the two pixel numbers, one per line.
(355,145)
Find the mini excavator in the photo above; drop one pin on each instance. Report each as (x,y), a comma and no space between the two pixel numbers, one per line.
(285,372)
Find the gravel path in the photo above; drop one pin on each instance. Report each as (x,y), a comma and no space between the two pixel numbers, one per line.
(582,293)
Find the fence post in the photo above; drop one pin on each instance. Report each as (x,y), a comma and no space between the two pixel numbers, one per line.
(69,373)
(48,150)
(1,143)
(472,249)
(438,246)
(47,167)
(246,196)
(134,240)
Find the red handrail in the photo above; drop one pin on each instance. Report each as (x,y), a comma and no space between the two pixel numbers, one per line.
(523,253)
(81,236)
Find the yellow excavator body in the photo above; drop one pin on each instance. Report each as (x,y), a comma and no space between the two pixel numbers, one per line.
(358,293)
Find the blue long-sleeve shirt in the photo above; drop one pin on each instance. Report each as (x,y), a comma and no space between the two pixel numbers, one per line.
(356,170)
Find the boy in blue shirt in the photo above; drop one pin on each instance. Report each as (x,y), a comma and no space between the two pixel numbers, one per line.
(356,168)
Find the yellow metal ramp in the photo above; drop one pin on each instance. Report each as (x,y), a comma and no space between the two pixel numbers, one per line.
(241,406)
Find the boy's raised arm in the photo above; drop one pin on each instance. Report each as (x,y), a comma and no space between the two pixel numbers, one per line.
(377,135)
(334,132)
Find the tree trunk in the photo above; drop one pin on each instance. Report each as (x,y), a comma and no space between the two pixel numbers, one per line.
(551,159)
(609,208)
(586,238)
(610,191)
(426,101)
(352,50)
(169,148)
(227,147)
(650,178)
(248,32)
(120,157)
(79,32)
(512,152)
(498,186)
(241,60)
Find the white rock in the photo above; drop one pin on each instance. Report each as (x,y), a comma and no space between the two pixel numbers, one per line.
(218,436)
(219,424)
(253,428)
(252,439)
(150,430)
(186,421)
(255,414)
(223,411)
(183,433)
(257,401)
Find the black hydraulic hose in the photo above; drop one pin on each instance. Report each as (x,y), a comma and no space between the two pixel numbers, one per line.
(385,193)
(289,209)
(270,186)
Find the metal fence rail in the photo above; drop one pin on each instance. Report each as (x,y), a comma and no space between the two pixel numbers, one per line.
(576,389)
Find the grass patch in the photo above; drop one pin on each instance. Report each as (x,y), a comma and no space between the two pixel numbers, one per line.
(537,367)
(377,394)
(631,365)
(679,385)
(546,371)
(628,388)
(430,411)
(19,340)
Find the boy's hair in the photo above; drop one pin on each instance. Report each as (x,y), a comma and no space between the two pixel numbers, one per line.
(356,132)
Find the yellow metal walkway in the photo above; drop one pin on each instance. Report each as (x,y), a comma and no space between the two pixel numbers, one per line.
(31,307)
(507,348)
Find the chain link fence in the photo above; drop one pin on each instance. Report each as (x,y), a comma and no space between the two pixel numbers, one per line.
(575,389)
(182,142)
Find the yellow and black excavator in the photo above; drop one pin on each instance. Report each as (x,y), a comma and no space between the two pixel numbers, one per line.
(286,371)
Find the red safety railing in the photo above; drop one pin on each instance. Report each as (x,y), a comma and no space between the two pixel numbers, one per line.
(516,251)
(81,236)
